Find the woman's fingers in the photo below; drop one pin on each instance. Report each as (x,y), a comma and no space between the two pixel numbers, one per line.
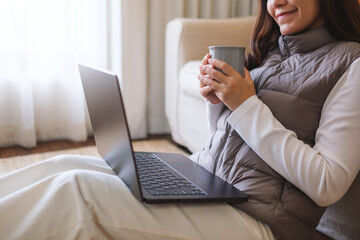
(208,93)
(232,89)
(226,68)
(205,63)
(205,59)
(212,73)
(208,86)
(206,80)
(247,74)
(205,90)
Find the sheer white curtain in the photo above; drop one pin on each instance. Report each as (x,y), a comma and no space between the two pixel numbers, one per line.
(41,44)
(143,28)
(43,41)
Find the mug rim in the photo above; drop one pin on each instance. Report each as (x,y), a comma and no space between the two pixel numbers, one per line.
(225,46)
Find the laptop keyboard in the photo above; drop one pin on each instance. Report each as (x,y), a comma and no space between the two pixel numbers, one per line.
(157,179)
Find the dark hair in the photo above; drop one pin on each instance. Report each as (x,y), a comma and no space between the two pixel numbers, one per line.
(341,17)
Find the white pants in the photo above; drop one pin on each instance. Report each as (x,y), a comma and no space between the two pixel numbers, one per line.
(78,197)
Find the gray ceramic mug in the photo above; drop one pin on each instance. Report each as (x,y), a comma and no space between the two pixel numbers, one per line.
(232,55)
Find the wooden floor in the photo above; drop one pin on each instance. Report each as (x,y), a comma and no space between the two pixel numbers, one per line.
(44,147)
(64,144)
(14,158)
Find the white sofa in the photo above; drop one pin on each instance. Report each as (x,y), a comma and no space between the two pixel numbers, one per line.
(187,42)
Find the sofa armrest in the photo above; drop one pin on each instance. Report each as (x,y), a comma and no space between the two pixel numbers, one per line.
(189,39)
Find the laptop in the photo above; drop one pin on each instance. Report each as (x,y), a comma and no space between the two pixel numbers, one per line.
(151,177)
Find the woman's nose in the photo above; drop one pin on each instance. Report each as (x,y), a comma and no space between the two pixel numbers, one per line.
(277,3)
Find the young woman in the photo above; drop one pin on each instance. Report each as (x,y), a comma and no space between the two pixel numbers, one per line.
(286,134)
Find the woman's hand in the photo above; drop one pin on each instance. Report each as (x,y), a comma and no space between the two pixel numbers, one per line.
(232,89)
(206,91)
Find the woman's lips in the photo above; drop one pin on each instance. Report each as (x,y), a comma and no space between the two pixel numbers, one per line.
(281,15)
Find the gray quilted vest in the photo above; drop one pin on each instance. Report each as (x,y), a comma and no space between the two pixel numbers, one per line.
(293,82)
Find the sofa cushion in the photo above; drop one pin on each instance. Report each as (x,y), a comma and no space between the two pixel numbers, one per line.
(188,82)
(192,121)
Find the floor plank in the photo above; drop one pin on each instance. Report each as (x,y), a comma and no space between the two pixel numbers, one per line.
(16,159)
(41,147)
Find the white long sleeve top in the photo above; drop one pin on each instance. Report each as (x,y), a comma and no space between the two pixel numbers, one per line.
(323,172)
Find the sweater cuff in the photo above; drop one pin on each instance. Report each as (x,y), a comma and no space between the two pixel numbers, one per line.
(244,110)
